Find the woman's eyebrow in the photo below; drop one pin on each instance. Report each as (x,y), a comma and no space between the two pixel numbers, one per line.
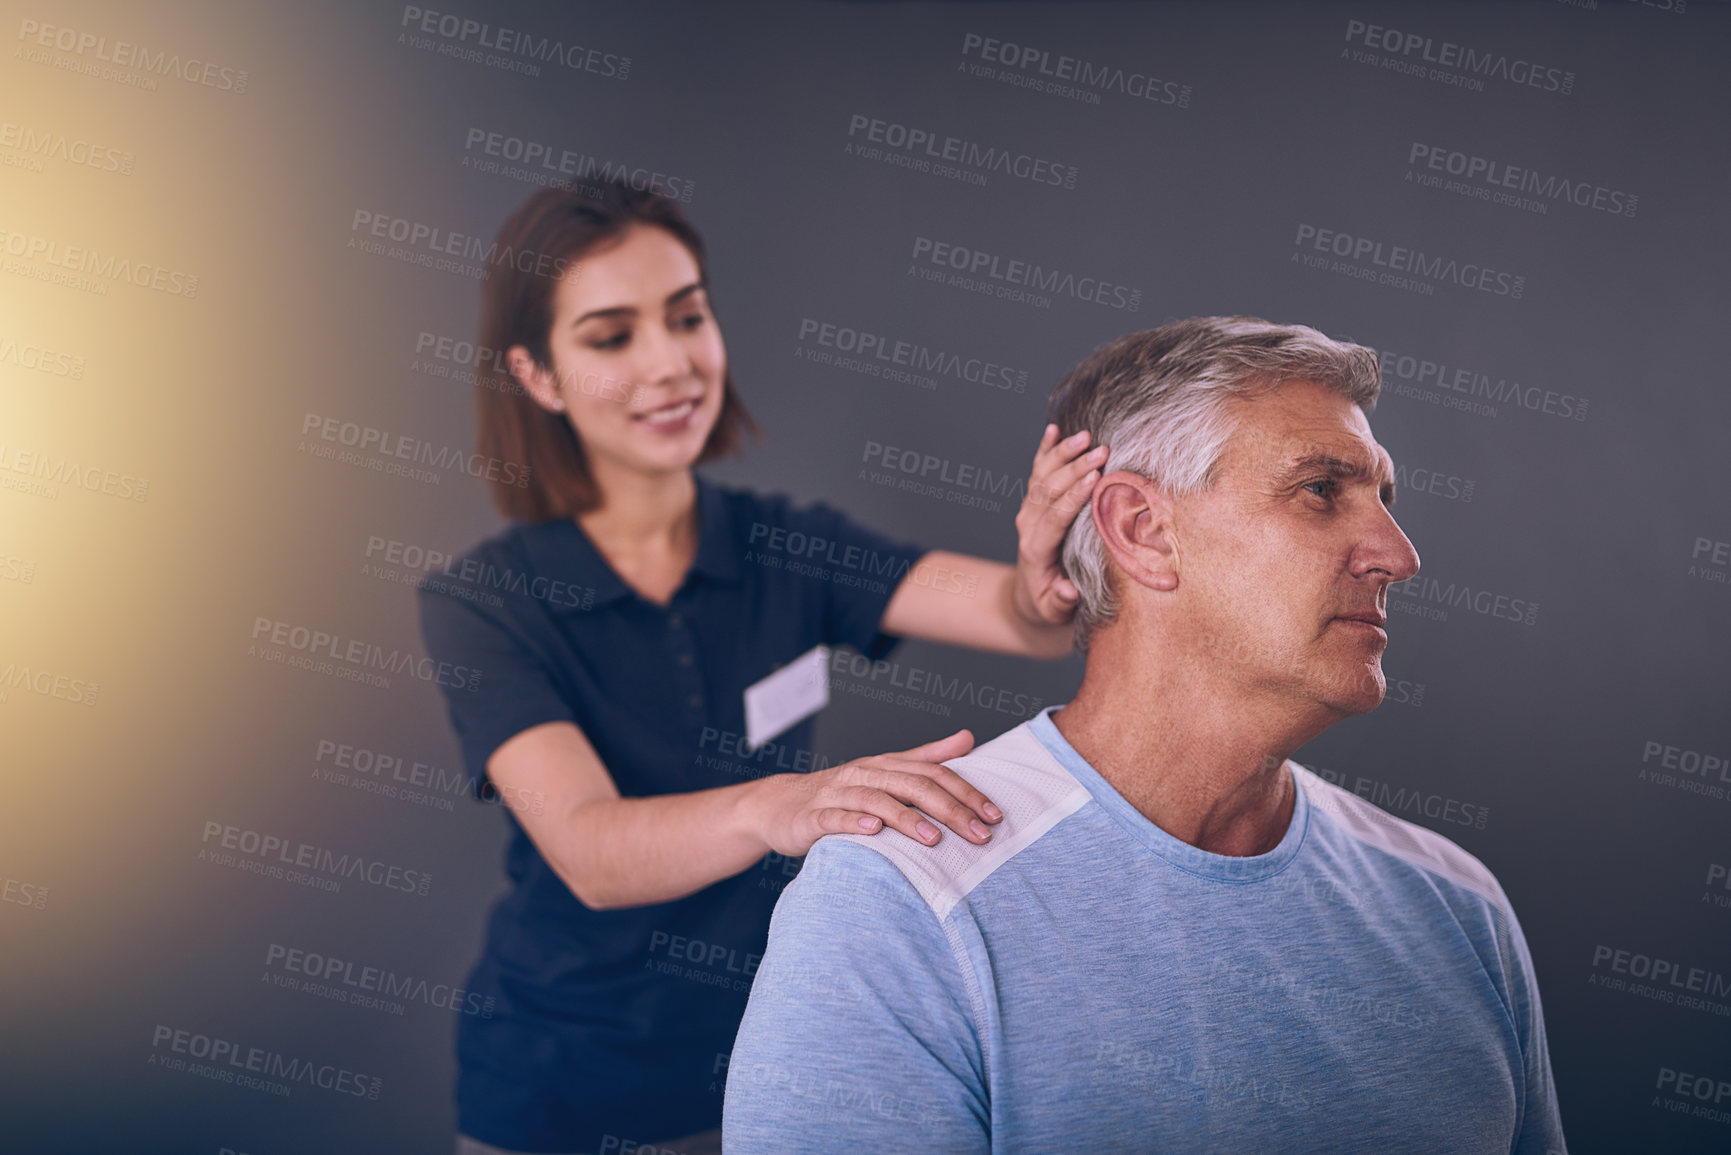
(631,310)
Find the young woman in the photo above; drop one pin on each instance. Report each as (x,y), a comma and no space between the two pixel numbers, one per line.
(616,628)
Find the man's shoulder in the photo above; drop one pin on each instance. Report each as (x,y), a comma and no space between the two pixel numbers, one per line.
(1035,793)
(1424,850)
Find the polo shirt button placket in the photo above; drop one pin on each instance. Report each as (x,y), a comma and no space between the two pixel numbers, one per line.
(684,647)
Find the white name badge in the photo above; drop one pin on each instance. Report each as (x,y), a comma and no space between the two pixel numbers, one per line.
(789,696)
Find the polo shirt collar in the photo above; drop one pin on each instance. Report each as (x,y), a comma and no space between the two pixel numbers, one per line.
(560,549)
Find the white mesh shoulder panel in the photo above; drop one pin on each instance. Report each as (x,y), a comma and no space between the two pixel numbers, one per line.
(1423,848)
(1030,786)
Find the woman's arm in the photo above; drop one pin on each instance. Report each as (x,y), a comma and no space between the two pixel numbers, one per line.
(986,605)
(618,852)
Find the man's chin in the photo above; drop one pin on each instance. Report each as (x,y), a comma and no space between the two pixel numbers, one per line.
(1358,693)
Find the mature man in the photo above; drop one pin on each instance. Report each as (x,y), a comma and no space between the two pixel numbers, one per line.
(1177,939)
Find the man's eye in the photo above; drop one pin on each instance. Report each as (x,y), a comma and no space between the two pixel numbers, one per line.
(1323,487)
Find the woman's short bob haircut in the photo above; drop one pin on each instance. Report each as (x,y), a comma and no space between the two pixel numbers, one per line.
(546,236)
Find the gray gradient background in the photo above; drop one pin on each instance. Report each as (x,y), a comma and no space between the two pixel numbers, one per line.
(1542,725)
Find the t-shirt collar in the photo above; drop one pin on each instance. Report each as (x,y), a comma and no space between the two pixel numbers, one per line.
(1194,860)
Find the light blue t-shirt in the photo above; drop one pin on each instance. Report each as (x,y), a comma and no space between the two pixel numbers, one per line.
(1087,982)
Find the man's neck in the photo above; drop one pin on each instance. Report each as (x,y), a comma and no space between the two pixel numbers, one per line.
(1207,769)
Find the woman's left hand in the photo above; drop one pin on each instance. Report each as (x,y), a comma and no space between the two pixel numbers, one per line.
(1059,487)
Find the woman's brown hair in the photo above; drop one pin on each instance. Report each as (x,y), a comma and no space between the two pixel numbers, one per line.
(547,234)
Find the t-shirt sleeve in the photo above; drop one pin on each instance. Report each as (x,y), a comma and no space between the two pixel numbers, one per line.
(1541,1130)
(860,569)
(858,1035)
(505,689)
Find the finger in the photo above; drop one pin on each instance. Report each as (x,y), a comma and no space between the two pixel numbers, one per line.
(1058,454)
(895,815)
(950,746)
(1055,519)
(1043,533)
(940,803)
(841,820)
(1061,481)
(965,792)
(891,773)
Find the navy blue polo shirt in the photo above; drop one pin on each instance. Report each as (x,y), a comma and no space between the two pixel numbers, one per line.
(618,1023)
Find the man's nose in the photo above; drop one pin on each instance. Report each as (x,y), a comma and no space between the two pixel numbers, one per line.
(1388,549)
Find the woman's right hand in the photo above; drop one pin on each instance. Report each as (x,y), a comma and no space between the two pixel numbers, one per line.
(792,811)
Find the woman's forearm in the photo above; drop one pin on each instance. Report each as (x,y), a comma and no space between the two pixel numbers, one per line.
(621,852)
(970,601)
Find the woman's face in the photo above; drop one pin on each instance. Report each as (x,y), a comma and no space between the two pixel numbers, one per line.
(638,362)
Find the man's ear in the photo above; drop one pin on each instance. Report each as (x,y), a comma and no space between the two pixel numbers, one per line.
(1134,519)
(539,383)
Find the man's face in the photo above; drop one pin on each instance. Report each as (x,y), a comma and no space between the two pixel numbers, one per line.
(1288,558)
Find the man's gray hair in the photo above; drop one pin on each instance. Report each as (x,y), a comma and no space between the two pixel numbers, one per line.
(1160,400)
